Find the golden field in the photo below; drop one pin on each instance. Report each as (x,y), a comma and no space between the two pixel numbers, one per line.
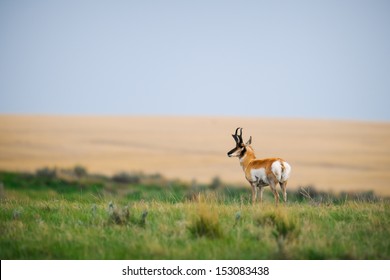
(330,155)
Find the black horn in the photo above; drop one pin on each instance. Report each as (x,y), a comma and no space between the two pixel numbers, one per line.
(238,137)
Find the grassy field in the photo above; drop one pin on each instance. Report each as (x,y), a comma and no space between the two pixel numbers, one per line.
(73,215)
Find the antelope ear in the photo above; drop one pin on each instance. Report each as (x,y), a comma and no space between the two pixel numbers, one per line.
(249,141)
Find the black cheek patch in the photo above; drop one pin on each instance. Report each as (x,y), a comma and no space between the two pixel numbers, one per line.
(243,152)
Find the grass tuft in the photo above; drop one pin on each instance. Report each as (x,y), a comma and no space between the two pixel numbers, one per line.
(285,228)
(116,216)
(205,224)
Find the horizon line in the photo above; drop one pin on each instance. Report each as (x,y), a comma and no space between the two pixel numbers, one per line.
(129,115)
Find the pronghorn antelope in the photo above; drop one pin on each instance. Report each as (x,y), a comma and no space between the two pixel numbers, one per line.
(260,172)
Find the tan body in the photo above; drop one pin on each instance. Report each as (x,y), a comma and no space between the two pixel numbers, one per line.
(261,172)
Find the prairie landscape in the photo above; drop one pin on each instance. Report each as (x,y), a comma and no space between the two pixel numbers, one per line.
(331,155)
(164,188)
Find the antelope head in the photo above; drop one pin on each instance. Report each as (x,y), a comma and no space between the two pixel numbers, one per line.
(240,149)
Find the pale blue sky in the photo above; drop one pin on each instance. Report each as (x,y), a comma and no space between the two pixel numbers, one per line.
(311,59)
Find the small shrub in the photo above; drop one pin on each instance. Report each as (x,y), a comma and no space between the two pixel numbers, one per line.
(2,192)
(123,217)
(285,229)
(116,216)
(205,227)
(237,219)
(194,191)
(80,171)
(206,224)
(142,220)
(16,214)
(216,183)
(48,173)
(126,178)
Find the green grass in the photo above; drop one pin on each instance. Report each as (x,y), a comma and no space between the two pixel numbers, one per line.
(45,217)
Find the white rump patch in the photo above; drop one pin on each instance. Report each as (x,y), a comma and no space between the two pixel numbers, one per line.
(287,171)
(282,174)
(276,168)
